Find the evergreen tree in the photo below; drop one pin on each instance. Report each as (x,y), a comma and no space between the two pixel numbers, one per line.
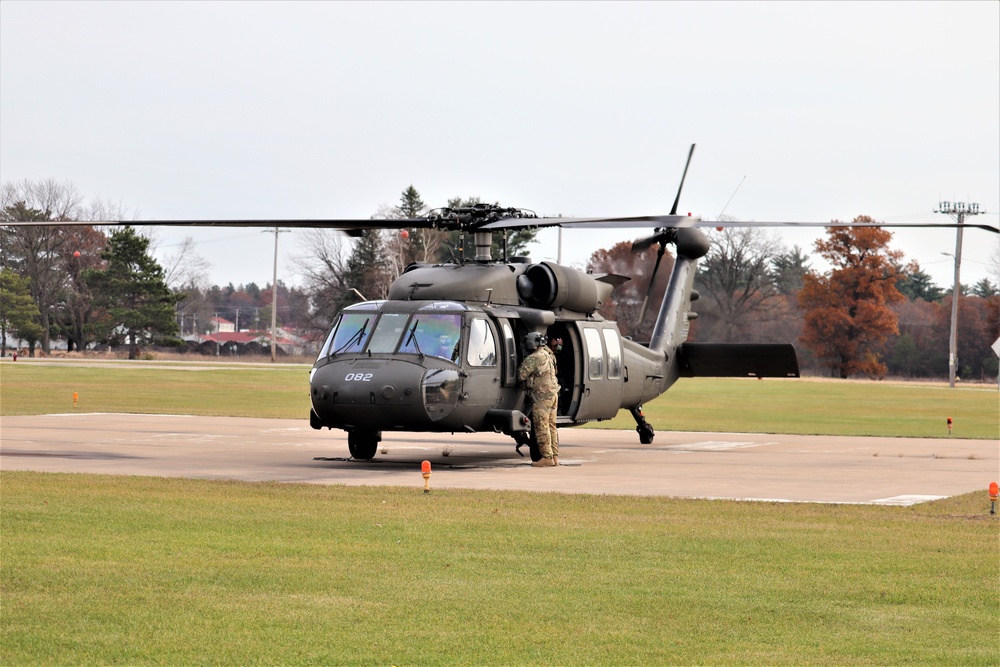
(18,312)
(365,271)
(788,270)
(410,204)
(914,284)
(985,289)
(133,290)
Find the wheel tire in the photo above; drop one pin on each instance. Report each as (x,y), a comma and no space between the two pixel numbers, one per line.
(536,453)
(363,445)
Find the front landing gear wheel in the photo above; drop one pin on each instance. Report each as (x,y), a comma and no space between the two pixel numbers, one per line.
(528,438)
(363,444)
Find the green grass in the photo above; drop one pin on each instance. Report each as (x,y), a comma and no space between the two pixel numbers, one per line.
(823,407)
(228,391)
(122,570)
(830,407)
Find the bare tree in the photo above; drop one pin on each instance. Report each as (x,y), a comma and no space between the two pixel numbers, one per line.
(40,254)
(322,264)
(735,277)
(184,267)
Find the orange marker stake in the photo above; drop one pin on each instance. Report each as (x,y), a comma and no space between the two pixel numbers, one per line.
(76,397)
(425,468)
(994,492)
(949,425)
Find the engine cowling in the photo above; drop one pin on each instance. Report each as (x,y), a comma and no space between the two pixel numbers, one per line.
(548,285)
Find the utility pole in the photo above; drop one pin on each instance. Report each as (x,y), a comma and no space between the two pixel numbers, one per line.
(274,294)
(958,211)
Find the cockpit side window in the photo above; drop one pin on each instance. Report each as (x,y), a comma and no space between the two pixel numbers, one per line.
(612,343)
(433,334)
(482,344)
(595,354)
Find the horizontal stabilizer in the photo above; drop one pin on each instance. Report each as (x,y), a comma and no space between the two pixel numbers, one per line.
(762,360)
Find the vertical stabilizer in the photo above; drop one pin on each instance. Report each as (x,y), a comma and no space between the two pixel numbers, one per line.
(671,326)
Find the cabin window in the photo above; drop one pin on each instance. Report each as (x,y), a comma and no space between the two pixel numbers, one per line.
(595,353)
(351,333)
(387,332)
(436,335)
(482,344)
(510,351)
(613,345)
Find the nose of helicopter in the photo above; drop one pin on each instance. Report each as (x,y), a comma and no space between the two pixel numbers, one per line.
(382,394)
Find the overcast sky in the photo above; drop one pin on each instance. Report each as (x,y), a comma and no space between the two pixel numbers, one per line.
(329,110)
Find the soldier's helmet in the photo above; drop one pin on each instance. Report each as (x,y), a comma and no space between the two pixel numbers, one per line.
(534,340)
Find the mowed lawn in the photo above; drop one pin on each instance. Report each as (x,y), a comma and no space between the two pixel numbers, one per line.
(141,571)
(804,406)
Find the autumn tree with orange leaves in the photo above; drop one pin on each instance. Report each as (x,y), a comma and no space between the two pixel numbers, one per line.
(847,310)
(626,300)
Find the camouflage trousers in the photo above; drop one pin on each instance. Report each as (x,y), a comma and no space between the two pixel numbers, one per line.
(543,422)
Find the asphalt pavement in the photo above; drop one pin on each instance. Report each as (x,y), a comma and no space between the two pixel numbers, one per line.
(737,466)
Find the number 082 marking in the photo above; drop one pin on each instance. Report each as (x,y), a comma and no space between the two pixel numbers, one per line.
(358,377)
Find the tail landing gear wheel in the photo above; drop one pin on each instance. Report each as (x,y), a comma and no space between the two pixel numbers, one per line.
(363,444)
(643,427)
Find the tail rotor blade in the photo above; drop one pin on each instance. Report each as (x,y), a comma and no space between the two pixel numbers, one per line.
(677,199)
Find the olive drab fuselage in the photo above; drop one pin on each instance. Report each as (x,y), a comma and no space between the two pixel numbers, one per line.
(450,364)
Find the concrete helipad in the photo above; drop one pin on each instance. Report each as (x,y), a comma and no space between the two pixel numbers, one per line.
(898,471)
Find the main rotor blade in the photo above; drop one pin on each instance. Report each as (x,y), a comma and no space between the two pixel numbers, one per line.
(837,223)
(343,225)
(628,222)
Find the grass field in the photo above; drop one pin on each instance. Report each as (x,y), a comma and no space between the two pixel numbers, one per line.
(119,570)
(812,407)
(137,571)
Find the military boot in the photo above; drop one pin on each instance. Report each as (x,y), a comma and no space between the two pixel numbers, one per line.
(543,463)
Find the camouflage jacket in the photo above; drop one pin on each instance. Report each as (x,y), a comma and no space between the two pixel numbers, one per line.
(538,372)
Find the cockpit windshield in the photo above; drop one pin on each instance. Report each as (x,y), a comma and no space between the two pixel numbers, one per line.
(433,334)
(430,333)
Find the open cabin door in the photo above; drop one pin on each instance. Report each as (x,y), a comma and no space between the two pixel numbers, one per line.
(598,376)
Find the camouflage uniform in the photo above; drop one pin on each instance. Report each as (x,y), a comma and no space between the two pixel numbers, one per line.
(538,373)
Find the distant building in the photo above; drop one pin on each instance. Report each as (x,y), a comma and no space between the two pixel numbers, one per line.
(220,325)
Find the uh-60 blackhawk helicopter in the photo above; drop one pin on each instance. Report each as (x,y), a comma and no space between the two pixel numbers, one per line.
(441,353)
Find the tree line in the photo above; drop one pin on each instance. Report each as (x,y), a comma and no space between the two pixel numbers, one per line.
(85,286)
(870,315)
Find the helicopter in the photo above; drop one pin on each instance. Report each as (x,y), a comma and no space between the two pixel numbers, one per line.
(441,352)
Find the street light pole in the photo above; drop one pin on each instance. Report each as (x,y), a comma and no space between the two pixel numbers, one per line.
(957,210)
(274,295)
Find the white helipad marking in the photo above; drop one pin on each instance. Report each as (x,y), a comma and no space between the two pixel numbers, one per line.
(897,501)
(115,414)
(906,501)
(716,445)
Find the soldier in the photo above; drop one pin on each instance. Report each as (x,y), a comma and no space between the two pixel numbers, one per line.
(538,373)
